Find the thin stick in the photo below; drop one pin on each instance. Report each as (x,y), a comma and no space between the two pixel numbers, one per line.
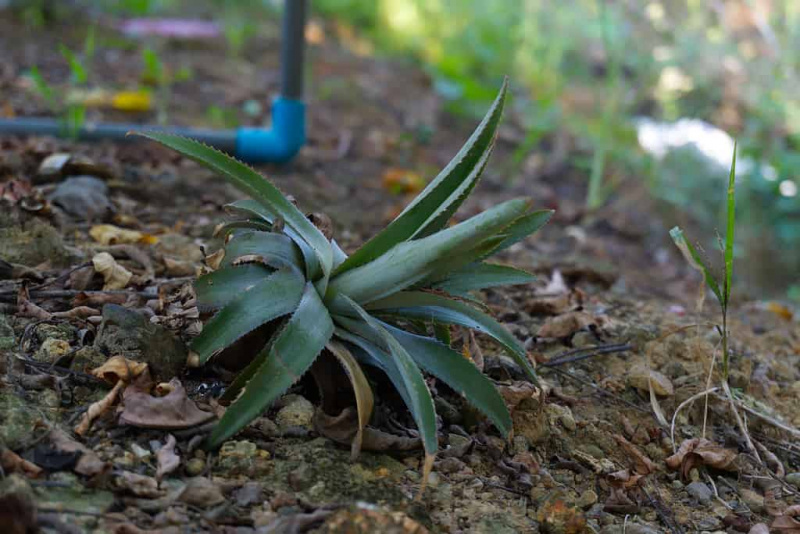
(740,421)
(597,350)
(680,407)
(708,385)
(599,390)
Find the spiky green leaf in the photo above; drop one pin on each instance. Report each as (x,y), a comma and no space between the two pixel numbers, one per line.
(289,357)
(523,227)
(419,397)
(254,185)
(269,299)
(457,372)
(438,308)
(412,261)
(217,289)
(480,276)
(441,198)
(277,250)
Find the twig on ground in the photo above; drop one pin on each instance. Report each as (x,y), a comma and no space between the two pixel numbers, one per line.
(598,389)
(576,355)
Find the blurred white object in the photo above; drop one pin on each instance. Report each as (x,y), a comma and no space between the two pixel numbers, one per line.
(658,138)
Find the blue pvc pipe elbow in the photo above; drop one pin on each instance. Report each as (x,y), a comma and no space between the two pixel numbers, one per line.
(281,142)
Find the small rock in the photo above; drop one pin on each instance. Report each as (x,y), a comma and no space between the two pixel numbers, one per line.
(587,499)
(677,484)
(641,377)
(51,350)
(434,479)
(753,500)
(700,491)
(243,457)
(793,479)
(83,197)
(458,446)
(250,493)
(201,492)
(520,444)
(562,415)
(18,419)
(448,466)
(694,474)
(195,466)
(131,334)
(298,412)
(87,358)
(32,243)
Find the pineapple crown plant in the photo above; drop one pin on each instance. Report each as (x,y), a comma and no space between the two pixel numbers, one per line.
(278,266)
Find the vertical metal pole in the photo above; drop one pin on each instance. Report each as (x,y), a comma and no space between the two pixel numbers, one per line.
(292,48)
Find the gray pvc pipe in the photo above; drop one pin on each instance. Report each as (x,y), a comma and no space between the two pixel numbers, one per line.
(292,47)
(221,139)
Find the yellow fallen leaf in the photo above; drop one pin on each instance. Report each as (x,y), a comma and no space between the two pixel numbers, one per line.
(132,101)
(119,368)
(403,181)
(108,234)
(115,275)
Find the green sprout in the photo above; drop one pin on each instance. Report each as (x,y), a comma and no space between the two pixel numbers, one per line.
(696,260)
(279,268)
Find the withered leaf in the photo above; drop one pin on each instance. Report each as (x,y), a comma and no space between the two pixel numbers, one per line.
(168,459)
(642,465)
(172,411)
(700,451)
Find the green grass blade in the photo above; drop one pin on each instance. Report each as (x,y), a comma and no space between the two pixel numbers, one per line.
(254,185)
(729,232)
(420,400)
(290,356)
(694,259)
(277,250)
(457,372)
(442,196)
(217,289)
(437,308)
(274,297)
(482,275)
(361,388)
(411,262)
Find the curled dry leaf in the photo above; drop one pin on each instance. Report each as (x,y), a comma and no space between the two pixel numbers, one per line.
(342,429)
(215,260)
(13,463)
(642,465)
(789,522)
(115,275)
(119,368)
(98,408)
(89,463)
(172,411)
(108,234)
(168,459)
(700,451)
(26,308)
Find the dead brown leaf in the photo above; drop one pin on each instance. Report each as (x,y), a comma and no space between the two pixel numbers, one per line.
(115,275)
(700,451)
(642,465)
(172,411)
(13,463)
(98,408)
(119,368)
(168,459)
(26,308)
(89,463)
(343,427)
(789,522)
(517,392)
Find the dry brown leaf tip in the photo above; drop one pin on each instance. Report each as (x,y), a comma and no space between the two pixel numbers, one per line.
(115,275)
(119,368)
(700,451)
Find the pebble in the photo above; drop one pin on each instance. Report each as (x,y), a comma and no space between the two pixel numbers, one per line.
(83,197)
(195,466)
(587,499)
(299,412)
(434,479)
(641,378)
(753,500)
(700,491)
(52,349)
(793,479)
